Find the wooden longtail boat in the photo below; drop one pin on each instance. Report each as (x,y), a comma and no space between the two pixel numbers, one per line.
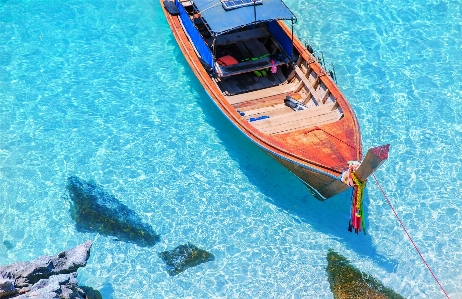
(272,88)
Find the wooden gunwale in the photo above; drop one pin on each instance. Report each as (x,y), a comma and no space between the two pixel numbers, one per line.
(330,85)
(270,143)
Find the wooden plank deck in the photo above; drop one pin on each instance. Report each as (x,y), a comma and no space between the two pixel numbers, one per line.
(263,102)
(297,115)
(330,117)
(264,109)
(243,49)
(304,123)
(256,48)
(307,83)
(258,94)
(296,120)
(270,111)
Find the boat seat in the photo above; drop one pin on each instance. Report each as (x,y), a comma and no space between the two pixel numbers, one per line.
(246,66)
(170,6)
(256,48)
(227,60)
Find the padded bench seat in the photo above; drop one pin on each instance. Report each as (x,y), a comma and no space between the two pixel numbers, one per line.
(246,66)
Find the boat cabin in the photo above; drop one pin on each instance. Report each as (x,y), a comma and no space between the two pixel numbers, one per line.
(241,38)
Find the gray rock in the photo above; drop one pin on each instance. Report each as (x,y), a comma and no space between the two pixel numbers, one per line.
(62,286)
(7,287)
(47,277)
(26,274)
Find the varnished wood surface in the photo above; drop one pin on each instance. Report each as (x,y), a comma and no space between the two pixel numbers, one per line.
(259,94)
(319,153)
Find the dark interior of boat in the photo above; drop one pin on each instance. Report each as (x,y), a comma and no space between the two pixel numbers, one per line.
(258,60)
(253,68)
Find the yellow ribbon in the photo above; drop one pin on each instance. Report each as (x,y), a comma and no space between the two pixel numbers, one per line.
(361,186)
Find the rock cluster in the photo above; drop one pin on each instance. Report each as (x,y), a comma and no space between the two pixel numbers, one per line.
(95,210)
(347,282)
(47,277)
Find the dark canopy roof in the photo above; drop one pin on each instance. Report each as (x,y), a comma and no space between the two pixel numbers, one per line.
(220,20)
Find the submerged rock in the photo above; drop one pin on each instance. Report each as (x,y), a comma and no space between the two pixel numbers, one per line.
(8,244)
(94,210)
(47,277)
(91,293)
(347,282)
(184,257)
(7,288)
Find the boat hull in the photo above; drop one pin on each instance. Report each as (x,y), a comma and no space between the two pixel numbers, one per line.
(319,163)
(320,184)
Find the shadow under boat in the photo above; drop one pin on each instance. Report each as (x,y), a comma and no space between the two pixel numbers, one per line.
(95,210)
(286,191)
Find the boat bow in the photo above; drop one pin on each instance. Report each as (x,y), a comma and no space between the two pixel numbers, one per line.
(375,157)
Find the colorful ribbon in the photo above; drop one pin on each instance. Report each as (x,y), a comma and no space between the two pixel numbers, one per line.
(357,212)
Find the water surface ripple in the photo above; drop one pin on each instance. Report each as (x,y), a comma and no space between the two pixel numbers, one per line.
(100,90)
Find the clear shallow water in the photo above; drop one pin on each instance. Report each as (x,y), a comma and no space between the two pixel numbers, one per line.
(100,90)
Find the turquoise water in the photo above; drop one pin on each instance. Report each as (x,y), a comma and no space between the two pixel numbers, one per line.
(100,90)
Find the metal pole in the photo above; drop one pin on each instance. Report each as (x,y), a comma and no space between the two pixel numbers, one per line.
(214,53)
(292,51)
(254,11)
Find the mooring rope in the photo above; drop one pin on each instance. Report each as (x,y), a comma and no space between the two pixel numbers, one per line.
(409,236)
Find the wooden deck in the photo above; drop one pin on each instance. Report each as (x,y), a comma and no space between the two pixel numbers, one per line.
(270,111)
(264,96)
(284,121)
(261,93)
(279,118)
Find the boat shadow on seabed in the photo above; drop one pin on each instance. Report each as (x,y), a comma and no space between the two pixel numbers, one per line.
(287,192)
